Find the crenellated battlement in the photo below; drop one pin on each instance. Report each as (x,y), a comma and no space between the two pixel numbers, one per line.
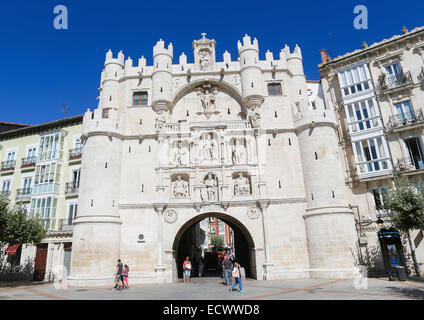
(159,48)
(296,54)
(101,120)
(248,44)
(111,60)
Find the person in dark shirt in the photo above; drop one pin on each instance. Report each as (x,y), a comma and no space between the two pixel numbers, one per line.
(228,267)
(118,276)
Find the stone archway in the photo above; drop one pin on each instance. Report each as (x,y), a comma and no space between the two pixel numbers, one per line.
(243,241)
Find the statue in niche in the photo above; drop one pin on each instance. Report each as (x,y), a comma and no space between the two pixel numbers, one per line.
(160,121)
(239,153)
(210,148)
(203,60)
(211,189)
(241,186)
(207,95)
(180,188)
(180,155)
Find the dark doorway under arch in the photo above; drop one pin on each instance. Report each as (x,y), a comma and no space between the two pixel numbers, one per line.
(185,245)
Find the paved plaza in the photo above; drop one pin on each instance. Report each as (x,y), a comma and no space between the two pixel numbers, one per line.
(214,289)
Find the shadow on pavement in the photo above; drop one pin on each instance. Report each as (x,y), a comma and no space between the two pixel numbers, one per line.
(414,293)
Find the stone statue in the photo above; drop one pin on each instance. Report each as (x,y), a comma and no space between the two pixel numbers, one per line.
(180,155)
(255,119)
(241,186)
(211,188)
(209,149)
(239,153)
(203,60)
(206,100)
(160,121)
(207,95)
(180,188)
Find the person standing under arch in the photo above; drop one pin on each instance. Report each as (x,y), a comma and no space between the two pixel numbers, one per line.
(187,270)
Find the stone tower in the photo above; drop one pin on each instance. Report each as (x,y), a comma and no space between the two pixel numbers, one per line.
(97,231)
(250,72)
(162,77)
(329,221)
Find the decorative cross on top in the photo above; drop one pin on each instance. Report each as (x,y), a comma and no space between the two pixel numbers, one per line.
(203,35)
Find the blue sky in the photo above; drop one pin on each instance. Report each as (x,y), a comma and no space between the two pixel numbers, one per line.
(43,67)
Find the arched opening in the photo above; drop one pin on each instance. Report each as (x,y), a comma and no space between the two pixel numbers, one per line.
(188,243)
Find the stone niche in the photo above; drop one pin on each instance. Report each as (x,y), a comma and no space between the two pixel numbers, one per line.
(174,152)
(209,191)
(208,151)
(180,153)
(238,151)
(242,182)
(180,186)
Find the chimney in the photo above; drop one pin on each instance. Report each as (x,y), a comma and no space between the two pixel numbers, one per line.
(324,56)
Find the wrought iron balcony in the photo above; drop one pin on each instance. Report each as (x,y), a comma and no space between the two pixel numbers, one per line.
(23,194)
(386,83)
(8,165)
(75,153)
(72,188)
(408,118)
(28,162)
(405,164)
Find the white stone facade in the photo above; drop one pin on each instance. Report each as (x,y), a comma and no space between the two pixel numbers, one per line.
(171,144)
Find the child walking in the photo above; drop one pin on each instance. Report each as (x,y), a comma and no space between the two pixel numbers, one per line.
(125,275)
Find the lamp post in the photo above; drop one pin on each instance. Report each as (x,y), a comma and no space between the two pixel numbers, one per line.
(380,224)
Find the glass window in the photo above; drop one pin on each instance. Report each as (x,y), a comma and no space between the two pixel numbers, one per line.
(378,195)
(274,89)
(140,98)
(6,186)
(342,79)
(51,147)
(355,75)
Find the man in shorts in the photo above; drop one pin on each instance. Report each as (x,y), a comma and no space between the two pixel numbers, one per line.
(118,276)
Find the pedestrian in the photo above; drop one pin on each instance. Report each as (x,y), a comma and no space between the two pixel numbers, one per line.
(187,269)
(125,276)
(228,267)
(237,276)
(200,267)
(118,276)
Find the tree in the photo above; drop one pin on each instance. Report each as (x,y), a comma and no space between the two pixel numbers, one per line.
(405,207)
(217,240)
(17,227)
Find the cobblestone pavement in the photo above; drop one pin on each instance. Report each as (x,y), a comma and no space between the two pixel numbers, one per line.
(214,289)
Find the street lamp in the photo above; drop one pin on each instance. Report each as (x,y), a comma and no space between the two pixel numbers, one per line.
(380,224)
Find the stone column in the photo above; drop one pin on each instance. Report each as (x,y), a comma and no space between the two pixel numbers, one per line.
(160,267)
(265,225)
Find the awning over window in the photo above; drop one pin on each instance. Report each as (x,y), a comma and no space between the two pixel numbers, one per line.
(11,250)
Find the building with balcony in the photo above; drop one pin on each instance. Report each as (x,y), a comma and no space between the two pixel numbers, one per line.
(37,164)
(378,93)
